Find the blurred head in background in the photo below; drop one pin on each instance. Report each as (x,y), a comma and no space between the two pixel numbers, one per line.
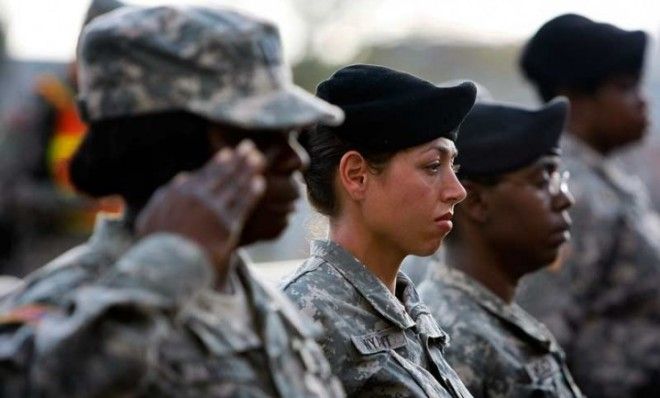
(598,66)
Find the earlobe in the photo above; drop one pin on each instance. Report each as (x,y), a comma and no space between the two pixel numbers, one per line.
(475,205)
(353,174)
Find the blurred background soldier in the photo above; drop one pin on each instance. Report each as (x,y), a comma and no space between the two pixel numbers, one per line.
(604,303)
(42,214)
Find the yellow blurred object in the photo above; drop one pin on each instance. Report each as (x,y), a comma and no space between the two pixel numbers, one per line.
(66,135)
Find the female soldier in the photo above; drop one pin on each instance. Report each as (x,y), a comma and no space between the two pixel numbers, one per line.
(512,223)
(177,315)
(386,181)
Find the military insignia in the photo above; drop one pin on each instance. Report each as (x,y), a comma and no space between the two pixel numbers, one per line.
(29,314)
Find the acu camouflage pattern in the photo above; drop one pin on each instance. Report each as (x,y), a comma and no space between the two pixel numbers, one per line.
(498,350)
(219,64)
(99,7)
(378,345)
(604,303)
(111,319)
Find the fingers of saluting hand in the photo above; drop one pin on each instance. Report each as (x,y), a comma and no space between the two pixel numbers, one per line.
(231,183)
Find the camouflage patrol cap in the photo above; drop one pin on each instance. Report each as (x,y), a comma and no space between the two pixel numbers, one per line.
(100,7)
(215,63)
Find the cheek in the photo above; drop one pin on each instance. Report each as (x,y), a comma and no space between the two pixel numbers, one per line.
(404,208)
(523,222)
(623,111)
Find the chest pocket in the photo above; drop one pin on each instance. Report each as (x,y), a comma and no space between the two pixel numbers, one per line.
(543,377)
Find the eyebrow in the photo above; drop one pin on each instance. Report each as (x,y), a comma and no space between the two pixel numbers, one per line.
(445,150)
(544,164)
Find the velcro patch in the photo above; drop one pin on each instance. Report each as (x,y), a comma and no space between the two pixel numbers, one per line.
(383,340)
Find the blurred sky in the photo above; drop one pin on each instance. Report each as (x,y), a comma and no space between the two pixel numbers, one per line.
(335,29)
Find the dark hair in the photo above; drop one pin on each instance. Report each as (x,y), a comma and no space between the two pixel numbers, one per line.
(133,156)
(325,150)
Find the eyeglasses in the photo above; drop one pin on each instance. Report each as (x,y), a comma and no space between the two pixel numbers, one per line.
(559,182)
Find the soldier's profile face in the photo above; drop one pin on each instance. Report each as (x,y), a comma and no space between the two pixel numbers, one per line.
(527,218)
(411,201)
(285,157)
(620,107)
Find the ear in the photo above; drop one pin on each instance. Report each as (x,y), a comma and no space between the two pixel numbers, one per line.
(475,206)
(353,173)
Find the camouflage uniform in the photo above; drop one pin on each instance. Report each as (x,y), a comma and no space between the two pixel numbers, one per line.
(165,331)
(378,345)
(115,317)
(498,349)
(604,303)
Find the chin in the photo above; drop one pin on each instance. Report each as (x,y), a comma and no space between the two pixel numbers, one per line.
(547,260)
(427,249)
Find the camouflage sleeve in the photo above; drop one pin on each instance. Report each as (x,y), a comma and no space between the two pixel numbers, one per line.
(324,301)
(471,357)
(103,343)
(618,358)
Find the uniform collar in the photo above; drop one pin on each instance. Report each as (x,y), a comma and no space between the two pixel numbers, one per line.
(574,147)
(512,314)
(370,287)
(608,168)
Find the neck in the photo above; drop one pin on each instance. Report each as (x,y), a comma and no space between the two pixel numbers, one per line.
(481,264)
(381,258)
(579,125)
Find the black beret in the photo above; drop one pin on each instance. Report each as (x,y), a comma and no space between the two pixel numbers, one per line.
(572,50)
(390,110)
(497,138)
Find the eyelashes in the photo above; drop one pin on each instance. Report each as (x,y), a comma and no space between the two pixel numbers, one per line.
(436,166)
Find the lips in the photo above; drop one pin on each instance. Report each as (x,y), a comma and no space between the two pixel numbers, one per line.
(445,217)
(561,234)
(444,222)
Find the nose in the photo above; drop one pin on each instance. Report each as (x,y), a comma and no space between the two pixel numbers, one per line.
(299,151)
(452,190)
(563,200)
(287,157)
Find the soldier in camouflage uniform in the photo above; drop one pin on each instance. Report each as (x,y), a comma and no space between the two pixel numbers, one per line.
(395,149)
(604,303)
(508,158)
(158,303)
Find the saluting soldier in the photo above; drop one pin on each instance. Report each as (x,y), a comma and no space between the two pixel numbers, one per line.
(604,303)
(512,223)
(159,303)
(385,179)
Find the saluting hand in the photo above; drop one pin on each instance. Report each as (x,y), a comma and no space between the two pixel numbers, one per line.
(211,205)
